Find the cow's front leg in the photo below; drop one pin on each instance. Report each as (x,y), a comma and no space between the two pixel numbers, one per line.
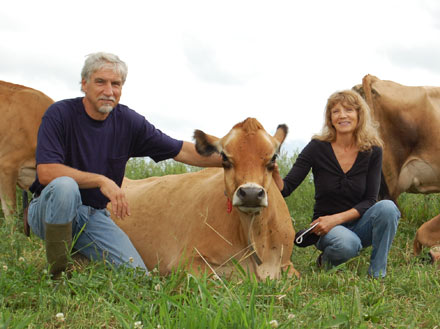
(7,192)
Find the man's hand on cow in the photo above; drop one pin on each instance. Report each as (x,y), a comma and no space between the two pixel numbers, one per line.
(117,198)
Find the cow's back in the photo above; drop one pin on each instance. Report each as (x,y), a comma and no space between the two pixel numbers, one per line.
(177,214)
(408,111)
(21,110)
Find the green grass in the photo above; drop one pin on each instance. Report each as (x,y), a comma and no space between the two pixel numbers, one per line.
(98,297)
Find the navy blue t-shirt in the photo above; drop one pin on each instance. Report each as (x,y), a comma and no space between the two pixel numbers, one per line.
(69,136)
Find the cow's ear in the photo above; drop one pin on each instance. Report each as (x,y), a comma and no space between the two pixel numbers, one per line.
(206,144)
(281,133)
(360,90)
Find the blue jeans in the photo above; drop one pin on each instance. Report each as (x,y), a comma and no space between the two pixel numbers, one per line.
(375,228)
(60,203)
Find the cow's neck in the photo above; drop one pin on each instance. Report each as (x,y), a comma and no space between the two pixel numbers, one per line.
(255,231)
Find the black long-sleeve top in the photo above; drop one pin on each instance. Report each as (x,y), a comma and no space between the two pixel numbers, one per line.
(336,191)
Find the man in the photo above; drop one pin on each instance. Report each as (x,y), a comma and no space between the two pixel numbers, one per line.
(83,146)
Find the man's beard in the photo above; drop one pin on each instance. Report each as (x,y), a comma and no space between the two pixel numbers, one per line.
(105,109)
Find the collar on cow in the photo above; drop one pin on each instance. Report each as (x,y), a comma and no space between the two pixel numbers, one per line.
(251,243)
(254,254)
(229,206)
(228,203)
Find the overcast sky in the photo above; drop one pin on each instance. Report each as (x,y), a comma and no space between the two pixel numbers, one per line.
(210,64)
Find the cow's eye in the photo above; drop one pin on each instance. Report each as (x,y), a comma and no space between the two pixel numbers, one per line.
(225,161)
(271,164)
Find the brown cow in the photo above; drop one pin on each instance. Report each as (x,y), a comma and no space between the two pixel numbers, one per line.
(204,220)
(409,119)
(429,235)
(21,110)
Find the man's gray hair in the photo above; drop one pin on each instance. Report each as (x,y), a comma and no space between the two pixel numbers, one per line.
(97,61)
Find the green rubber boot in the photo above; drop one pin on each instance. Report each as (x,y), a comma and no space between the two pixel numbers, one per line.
(58,243)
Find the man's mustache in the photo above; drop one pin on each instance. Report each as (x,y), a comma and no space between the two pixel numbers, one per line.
(103,98)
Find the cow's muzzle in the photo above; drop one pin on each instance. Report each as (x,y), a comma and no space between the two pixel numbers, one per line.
(250,198)
(434,254)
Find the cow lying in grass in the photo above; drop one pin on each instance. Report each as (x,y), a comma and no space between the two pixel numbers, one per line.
(207,219)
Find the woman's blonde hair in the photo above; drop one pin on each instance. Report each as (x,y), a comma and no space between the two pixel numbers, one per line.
(366,133)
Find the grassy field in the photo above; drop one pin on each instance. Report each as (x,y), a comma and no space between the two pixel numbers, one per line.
(99,297)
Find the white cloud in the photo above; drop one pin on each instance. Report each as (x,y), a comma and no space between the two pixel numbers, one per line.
(209,64)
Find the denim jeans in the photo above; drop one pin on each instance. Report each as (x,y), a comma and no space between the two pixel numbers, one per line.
(375,228)
(100,238)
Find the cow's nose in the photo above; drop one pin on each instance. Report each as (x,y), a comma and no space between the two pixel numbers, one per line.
(251,196)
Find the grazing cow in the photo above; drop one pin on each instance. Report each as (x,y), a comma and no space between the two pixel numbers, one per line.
(409,119)
(204,220)
(21,110)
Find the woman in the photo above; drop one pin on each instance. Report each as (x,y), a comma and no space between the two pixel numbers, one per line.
(346,161)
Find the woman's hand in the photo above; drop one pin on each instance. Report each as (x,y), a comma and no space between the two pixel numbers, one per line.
(325,224)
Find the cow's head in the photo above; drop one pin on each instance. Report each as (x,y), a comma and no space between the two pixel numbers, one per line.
(249,155)
(434,254)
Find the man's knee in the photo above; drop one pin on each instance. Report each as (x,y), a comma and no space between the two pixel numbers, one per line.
(62,190)
(64,185)
(59,201)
